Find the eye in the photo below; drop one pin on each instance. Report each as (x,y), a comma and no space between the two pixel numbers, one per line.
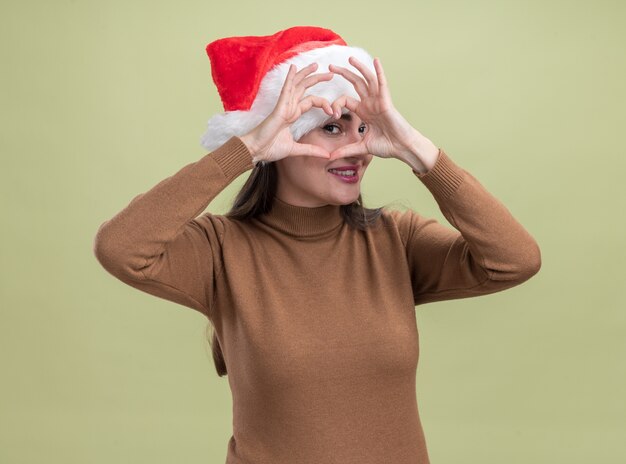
(329,128)
(362,129)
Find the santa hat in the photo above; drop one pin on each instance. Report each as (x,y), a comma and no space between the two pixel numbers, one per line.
(249,73)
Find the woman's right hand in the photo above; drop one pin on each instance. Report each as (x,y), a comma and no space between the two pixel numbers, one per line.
(271,140)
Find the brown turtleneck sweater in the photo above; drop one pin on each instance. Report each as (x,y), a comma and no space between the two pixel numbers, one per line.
(316,320)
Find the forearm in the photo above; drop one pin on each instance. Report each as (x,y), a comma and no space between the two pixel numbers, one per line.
(131,240)
(420,153)
(495,239)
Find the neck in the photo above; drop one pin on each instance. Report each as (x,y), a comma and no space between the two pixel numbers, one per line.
(301,202)
(303,221)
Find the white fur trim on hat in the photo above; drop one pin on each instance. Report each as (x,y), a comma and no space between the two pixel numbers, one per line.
(223,126)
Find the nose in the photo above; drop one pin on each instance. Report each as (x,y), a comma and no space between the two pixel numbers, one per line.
(354,136)
(356,159)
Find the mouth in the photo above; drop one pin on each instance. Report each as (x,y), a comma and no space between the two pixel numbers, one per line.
(347,174)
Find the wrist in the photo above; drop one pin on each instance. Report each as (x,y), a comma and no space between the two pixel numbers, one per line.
(248,141)
(420,154)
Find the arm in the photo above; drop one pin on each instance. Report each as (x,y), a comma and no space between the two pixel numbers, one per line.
(488,252)
(157,243)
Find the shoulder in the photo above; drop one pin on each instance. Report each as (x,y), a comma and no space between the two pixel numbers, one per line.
(401,217)
(402,220)
(414,227)
(217,225)
(226,226)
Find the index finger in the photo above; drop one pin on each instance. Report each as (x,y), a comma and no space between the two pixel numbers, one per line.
(382,80)
(357,81)
(287,85)
(308,69)
(369,76)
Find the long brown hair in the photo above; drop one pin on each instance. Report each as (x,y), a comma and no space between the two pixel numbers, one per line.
(256,197)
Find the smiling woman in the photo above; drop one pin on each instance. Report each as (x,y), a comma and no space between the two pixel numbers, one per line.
(311,295)
(310,181)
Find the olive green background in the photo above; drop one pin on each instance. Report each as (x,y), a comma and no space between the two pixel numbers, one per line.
(101,100)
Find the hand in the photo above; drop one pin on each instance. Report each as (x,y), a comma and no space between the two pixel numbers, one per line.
(271,140)
(388,134)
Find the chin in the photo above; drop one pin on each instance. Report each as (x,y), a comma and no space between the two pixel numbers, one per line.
(345,200)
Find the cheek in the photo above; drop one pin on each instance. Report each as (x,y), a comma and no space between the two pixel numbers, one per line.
(328,145)
(311,171)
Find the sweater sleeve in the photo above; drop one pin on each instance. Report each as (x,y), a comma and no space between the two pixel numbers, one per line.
(487,251)
(159,245)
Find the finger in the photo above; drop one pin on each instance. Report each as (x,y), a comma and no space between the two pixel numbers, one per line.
(287,89)
(311,81)
(358,82)
(372,82)
(344,101)
(300,75)
(382,79)
(357,148)
(291,74)
(305,149)
(313,100)
(314,79)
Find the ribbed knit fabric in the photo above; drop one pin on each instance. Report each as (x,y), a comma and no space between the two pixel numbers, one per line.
(316,319)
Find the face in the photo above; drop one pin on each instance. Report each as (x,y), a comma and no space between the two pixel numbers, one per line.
(311,181)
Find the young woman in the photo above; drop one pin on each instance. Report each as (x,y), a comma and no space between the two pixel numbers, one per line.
(311,295)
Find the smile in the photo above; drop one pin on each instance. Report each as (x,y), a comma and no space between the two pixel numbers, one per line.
(349,176)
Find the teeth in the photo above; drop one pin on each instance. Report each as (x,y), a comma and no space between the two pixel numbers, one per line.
(349,172)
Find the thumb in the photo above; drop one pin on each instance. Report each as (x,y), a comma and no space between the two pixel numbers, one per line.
(305,149)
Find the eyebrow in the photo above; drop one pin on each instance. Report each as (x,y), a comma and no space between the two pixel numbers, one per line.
(344,116)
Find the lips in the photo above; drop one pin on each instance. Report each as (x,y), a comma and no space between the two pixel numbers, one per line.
(348,174)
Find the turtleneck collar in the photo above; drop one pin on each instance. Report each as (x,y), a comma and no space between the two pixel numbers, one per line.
(302,221)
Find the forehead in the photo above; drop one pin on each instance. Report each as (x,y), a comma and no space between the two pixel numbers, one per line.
(350,117)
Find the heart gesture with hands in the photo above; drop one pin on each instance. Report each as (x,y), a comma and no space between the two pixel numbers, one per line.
(272,140)
(388,135)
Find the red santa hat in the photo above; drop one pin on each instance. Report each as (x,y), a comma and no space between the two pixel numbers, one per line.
(249,73)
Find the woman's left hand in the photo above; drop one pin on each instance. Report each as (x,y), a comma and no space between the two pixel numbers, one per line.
(388,134)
